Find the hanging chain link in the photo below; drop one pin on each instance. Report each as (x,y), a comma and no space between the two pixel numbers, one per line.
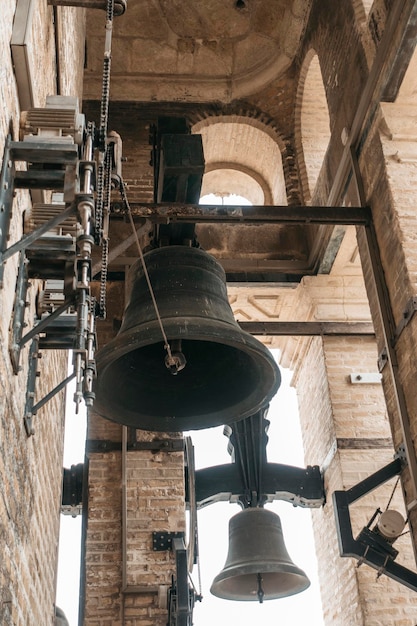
(104,236)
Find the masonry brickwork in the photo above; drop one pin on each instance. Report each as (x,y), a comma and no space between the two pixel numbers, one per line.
(350,430)
(31,467)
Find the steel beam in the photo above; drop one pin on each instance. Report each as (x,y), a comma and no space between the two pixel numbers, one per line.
(306,329)
(298,485)
(119,5)
(303,215)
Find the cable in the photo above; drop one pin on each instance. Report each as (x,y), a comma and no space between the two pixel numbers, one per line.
(171,361)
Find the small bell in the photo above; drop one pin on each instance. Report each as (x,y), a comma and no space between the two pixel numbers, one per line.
(258,566)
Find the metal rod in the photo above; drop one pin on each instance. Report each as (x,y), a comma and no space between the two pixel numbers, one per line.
(304,215)
(119,5)
(375,480)
(40,326)
(31,385)
(52,393)
(27,240)
(307,328)
(19,312)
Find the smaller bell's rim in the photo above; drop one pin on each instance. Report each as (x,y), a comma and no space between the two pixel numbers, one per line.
(292,573)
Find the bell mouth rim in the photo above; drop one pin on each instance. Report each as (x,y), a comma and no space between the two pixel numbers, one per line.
(236,572)
(151,332)
(147,335)
(267,596)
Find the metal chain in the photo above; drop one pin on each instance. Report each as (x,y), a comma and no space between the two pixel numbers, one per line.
(103,190)
(104,236)
(105,91)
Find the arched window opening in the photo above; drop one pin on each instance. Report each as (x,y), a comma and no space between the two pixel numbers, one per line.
(242,158)
(224,183)
(230,199)
(315,123)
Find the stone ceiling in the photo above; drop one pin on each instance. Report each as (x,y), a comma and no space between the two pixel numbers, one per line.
(195,50)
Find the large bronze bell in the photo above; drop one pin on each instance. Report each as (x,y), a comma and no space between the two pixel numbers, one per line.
(221,374)
(258,566)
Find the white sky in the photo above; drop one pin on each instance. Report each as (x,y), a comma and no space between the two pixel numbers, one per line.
(211,449)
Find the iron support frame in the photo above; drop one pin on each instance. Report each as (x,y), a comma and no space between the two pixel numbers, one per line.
(363,548)
(181,596)
(302,215)
(119,5)
(7,175)
(184,595)
(19,309)
(31,408)
(298,485)
(308,329)
(30,238)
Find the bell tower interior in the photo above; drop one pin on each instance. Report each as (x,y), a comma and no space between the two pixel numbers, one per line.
(179,316)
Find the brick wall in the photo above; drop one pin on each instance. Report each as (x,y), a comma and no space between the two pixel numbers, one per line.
(346,430)
(30,467)
(130,495)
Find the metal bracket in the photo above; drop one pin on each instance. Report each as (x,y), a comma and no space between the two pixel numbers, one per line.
(382,359)
(72,490)
(119,5)
(181,596)
(164,540)
(31,408)
(407,316)
(6,200)
(251,476)
(365,378)
(368,548)
(19,308)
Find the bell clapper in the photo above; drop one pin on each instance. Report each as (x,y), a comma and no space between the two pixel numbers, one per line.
(261,592)
(175,361)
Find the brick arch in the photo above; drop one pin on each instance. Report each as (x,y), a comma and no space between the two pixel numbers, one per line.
(257,191)
(312,123)
(249,145)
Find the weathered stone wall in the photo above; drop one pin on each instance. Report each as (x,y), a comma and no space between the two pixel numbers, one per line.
(346,431)
(131,493)
(389,188)
(30,467)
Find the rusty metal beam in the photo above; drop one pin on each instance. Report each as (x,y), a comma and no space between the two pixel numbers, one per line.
(119,5)
(335,329)
(303,215)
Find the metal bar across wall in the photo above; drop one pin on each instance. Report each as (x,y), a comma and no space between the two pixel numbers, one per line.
(303,215)
(307,329)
